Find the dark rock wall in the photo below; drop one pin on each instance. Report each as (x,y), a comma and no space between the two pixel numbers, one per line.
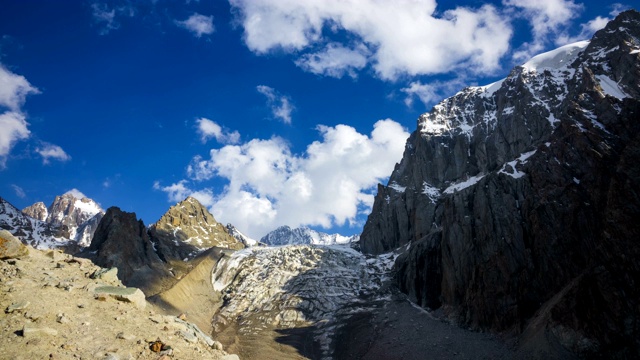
(561,225)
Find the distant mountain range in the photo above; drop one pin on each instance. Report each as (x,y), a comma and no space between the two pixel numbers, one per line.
(284,235)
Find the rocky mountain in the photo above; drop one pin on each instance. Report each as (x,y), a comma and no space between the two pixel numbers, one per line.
(238,235)
(68,222)
(518,202)
(37,211)
(122,241)
(284,235)
(188,228)
(78,216)
(34,232)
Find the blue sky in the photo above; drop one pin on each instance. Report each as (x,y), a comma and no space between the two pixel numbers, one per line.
(270,112)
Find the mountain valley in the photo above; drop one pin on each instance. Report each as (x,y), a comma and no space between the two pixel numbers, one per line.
(509,229)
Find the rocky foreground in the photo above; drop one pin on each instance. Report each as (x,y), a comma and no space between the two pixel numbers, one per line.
(57,306)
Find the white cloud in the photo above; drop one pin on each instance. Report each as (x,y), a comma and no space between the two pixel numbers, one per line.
(51,151)
(209,129)
(590,27)
(335,60)
(14,128)
(14,89)
(280,105)
(407,39)
(548,18)
(198,24)
(331,183)
(19,191)
(76,193)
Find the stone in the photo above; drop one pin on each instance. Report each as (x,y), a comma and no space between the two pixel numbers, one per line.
(62,319)
(109,275)
(11,247)
(29,331)
(19,306)
(130,294)
(123,336)
(217,345)
(230,357)
(188,336)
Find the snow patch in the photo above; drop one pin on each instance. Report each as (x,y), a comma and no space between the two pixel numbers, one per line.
(463,184)
(394,185)
(610,87)
(432,192)
(556,59)
(521,160)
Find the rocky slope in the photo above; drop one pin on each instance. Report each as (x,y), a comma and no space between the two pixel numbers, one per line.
(284,235)
(518,201)
(57,306)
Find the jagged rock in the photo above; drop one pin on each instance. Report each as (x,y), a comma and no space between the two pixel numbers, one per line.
(128,294)
(187,229)
(238,235)
(10,247)
(508,193)
(122,241)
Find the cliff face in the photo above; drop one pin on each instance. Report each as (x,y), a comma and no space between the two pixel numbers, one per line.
(518,202)
(122,241)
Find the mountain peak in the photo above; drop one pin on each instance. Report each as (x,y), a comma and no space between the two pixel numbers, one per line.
(190,223)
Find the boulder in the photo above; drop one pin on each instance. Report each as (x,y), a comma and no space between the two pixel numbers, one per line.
(11,247)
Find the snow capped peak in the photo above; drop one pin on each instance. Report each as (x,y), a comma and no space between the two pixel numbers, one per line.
(556,59)
(284,235)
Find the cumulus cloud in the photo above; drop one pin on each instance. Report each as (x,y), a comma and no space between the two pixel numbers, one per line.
(395,40)
(280,105)
(52,152)
(209,129)
(76,193)
(14,89)
(331,183)
(198,24)
(19,191)
(14,129)
(548,18)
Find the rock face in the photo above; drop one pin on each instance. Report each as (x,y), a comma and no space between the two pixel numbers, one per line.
(122,241)
(188,228)
(519,201)
(284,235)
(37,211)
